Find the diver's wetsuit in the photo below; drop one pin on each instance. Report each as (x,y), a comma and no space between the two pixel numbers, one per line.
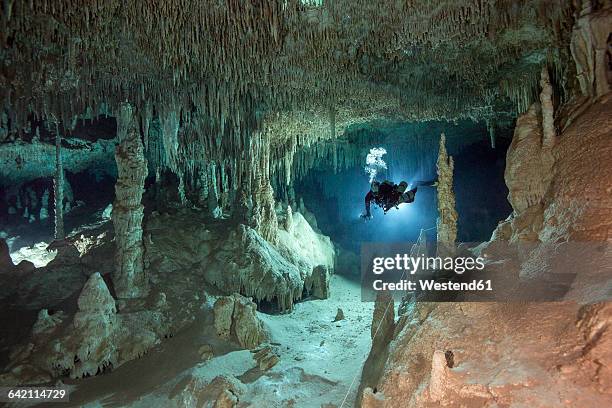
(388,196)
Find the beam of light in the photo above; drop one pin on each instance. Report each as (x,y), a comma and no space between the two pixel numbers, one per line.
(375,162)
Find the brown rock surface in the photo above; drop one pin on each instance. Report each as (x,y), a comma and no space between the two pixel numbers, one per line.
(235,317)
(524,354)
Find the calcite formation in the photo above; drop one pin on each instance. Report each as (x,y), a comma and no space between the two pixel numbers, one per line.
(590,46)
(87,343)
(447,214)
(129,277)
(295,71)
(235,318)
(58,187)
(264,216)
(549,133)
(528,175)
(449,354)
(248,264)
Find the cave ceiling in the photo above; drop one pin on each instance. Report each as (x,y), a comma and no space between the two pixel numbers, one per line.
(292,67)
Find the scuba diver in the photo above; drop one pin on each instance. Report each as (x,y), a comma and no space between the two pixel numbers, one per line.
(388,195)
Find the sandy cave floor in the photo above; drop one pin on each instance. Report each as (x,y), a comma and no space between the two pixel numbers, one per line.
(320,361)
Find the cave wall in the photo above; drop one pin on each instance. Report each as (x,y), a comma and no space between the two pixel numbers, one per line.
(558,179)
(514,362)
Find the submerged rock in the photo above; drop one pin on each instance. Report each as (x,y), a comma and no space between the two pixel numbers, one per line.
(235,318)
(97,338)
(248,264)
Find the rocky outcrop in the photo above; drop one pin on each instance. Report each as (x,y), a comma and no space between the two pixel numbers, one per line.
(317,284)
(129,278)
(528,174)
(246,263)
(222,392)
(478,354)
(447,218)
(94,339)
(590,46)
(235,319)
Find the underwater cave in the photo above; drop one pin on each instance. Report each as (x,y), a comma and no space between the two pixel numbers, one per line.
(306,203)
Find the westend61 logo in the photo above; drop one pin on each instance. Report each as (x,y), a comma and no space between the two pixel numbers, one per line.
(399,271)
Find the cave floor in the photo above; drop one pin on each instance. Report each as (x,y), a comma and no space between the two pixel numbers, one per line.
(320,360)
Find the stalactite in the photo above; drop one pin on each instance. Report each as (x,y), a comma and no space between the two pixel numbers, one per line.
(447,214)
(129,277)
(491,130)
(58,184)
(177,57)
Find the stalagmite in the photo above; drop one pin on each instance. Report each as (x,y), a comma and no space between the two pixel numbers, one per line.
(548,123)
(288,219)
(58,185)
(129,277)
(447,214)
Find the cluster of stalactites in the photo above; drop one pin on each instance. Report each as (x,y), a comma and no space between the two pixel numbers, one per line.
(227,58)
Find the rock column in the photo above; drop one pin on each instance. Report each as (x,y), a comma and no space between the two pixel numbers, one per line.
(447,215)
(548,126)
(58,186)
(129,277)
(264,219)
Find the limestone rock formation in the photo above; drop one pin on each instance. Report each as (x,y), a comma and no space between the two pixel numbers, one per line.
(317,284)
(549,133)
(248,264)
(58,186)
(264,216)
(91,341)
(595,322)
(451,355)
(529,164)
(288,224)
(235,318)
(590,48)
(266,357)
(447,219)
(383,319)
(129,277)
(222,392)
